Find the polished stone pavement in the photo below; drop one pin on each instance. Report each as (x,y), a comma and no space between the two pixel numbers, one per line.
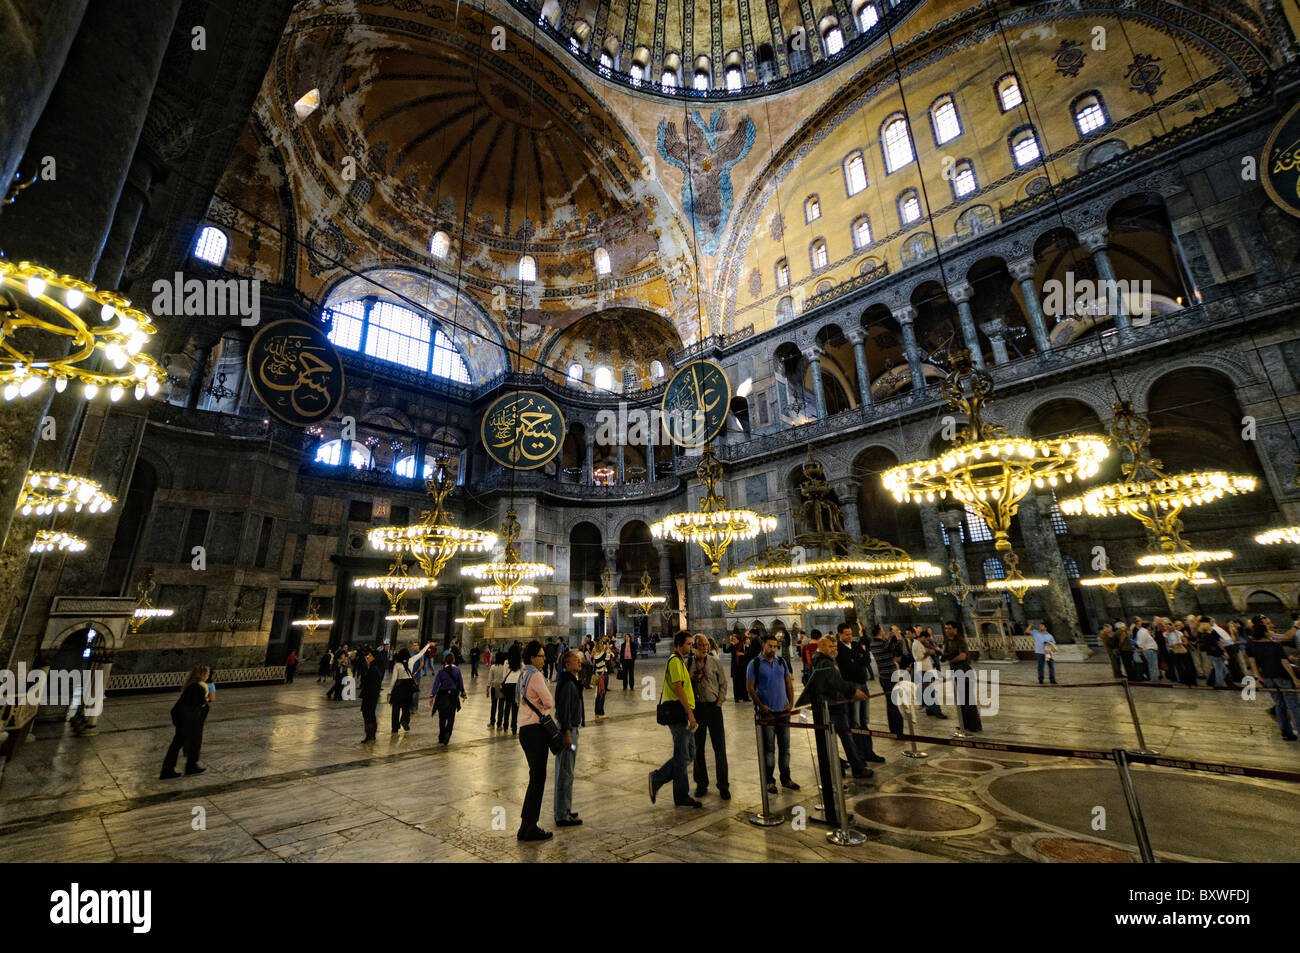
(287,779)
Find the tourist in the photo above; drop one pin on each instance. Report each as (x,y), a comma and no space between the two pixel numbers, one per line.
(1272,669)
(826,686)
(887,650)
(771,687)
(956,654)
(710,689)
(570,715)
(1180,654)
(446,695)
(1144,642)
(1044,650)
(627,671)
(537,703)
(473,660)
(806,654)
(1214,650)
(290,666)
(602,660)
(187,717)
(508,714)
(854,662)
(1124,646)
(1107,637)
(340,673)
(495,693)
(550,650)
(923,652)
(682,724)
(372,680)
(326,666)
(402,691)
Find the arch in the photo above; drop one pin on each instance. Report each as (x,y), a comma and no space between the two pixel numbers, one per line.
(1088,110)
(439,244)
(600,257)
(879,515)
(1058,416)
(896,144)
(211,245)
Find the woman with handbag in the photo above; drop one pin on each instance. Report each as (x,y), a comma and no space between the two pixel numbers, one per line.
(445,696)
(536,730)
(187,716)
(508,715)
(601,662)
(401,693)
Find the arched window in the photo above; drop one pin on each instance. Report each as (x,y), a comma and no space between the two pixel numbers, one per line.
(784,309)
(868,16)
(575,373)
(550,15)
(861,232)
(1071,567)
(527,269)
(1058,518)
(735,77)
(330,452)
(766,60)
(993,569)
(963,179)
(604,379)
(833,38)
(818,254)
(602,261)
(405,467)
(392,333)
(944,120)
(976,528)
(668,79)
(637,72)
(657,370)
(1008,90)
(909,207)
(812,209)
(440,244)
(1024,146)
(701,81)
(1089,113)
(783,273)
(606,63)
(855,173)
(211,246)
(896,142)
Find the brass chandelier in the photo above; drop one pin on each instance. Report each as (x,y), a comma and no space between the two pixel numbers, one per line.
(510,575)
(713,526)
(396,583)
(45,492)
(59,328)
(646,599)
(50,540)
(313,620)
(435,539)
(990,470)
(607,599)
(1156,499)
(1284,534)
(144,607)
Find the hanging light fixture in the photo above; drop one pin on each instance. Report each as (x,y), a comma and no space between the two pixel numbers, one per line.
(49,540)
(511,575)
(469,620)
(435,539)
(730,599)
(45,492)
(313,619)
(1285,534)
(646,599)
(606,598)
(144,607)
(991,471)
(396,583)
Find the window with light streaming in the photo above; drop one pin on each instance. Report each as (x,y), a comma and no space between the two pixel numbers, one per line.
(701,81)
(834,41)
(783,273)
(1089,114)
(976,528)
(943,114)
(398,335)
(406,467)
(1058,518)
(1071,567)
(820,257)
(330,452)
(668,80)
(868,17)
(735,78)
(861,232)
(963,179)
(909,207)
(575,373)
(527,269)
(1009,92)
(604,379)
(657,370)
(348,325)
(637,72)
(440,244)
(897,143)
(993,569)
(211,246)
(855,173)
(1024,147)
(606,63)
(601,258)
(812,209)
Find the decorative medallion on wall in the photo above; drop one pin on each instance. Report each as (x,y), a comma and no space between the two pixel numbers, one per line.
(1069,57)
(523,431)
(696,403)
(1144,75)
(755,283)
(1281,163)
(776,227)
(296,372)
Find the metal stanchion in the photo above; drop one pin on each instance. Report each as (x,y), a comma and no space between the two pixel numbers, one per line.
(1134,808)
(844,836)
(1137,725)
(765,817)
(911,752)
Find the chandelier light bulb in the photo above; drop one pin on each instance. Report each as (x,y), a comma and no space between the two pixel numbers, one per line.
(75,297)
(115,393)
(36,286)
(90,391)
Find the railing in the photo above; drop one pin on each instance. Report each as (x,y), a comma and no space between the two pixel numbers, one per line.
(844,287)
(585,394)
(221,424)
(527,482)
(714,342)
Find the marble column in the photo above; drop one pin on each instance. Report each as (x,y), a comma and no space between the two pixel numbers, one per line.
(953,521)
(1023,271)
(905,317)
(622,461)
(650,460)
(1094,242)
(588,467)
(814,354)
(996,331)
(858,338)
(611,563)
(961,295)
(847,493)
(1045,560)
(936,553)
(198,371)
(130,207)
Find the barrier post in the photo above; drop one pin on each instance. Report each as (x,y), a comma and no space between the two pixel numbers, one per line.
(1137,725)
(1134,808)
(844,836)
(765,817)
(911,752)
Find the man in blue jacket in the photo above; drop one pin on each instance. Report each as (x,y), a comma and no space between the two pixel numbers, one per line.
(570,715)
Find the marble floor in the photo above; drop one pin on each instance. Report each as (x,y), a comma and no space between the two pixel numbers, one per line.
(289,780)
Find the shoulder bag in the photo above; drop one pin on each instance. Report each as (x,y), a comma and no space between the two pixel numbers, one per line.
(554,737)
(670,712)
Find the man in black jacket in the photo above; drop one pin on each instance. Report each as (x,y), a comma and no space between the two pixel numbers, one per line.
(825,683)
(372,679)
(955,654)
(854,662)
(570,715)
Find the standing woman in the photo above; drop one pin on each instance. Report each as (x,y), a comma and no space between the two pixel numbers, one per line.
(600,663)
(403,691)
(326,666)
(629,662)
(508,716)
(187,716)
(537,702)
(445,696)
(495,694)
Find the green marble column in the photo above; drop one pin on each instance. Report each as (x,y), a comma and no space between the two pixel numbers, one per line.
(961,295)
(1023,271)
(1045,560)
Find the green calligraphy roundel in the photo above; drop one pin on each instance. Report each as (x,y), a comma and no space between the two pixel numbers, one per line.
(523,430)
(296,372)
(1281,172)
(696,404)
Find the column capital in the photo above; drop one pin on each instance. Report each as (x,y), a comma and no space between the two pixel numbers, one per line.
(813,352)
(1094,239)
(996,328)
(611,551)
(905,314)
(951,519)
(1022,269)
(856,336)
(961,292)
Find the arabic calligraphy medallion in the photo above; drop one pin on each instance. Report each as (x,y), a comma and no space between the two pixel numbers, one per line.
(296,372)
(523,430)
(696,403)
(1281,163)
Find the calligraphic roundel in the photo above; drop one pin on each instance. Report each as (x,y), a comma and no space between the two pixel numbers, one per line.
(696,404)
(1281,172)
(296,372)
(523,430)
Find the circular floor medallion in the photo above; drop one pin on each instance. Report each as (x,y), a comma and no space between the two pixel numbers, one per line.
(921,814)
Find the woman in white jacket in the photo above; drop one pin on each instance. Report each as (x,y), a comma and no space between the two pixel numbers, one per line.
(496,675)
(402,692)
